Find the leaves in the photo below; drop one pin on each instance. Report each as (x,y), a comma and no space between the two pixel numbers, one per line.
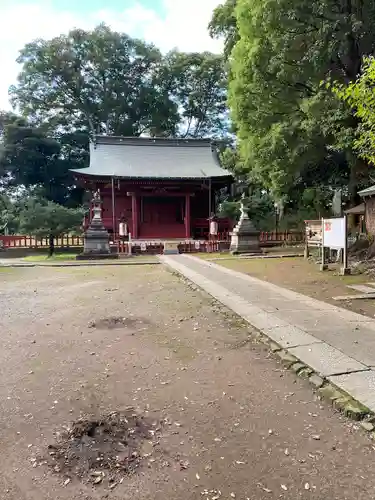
(198,86)
(103,81)
(286,120)
(32,158)
(359,95)
(44,218)
(224,24)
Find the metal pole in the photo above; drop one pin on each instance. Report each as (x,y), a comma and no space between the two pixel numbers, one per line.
(130,244)
(209,206)
(323,265)
(345,269)
(113,209)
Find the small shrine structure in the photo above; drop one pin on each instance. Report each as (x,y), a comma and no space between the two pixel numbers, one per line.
(156,188)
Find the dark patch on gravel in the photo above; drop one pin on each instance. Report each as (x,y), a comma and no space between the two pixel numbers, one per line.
(117,322)
(103,451)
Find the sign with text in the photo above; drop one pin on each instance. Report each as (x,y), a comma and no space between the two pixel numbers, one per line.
(334,232)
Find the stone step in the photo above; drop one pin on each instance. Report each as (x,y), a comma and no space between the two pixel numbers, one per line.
(365,296)
(362,288)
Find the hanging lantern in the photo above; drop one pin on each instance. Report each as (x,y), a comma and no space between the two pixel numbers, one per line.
(213,228)
(123,229)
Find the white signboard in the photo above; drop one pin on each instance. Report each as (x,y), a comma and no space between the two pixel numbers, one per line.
(143,246)
(334,233)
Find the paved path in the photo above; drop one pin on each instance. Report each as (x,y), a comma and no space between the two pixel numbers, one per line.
(338,344)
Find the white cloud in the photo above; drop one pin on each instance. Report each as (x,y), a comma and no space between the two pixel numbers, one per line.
(184,26)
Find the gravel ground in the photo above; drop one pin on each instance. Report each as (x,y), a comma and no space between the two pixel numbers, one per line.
(234,423)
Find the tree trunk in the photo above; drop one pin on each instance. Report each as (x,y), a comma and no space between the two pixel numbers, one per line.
(352,187)
(51,248)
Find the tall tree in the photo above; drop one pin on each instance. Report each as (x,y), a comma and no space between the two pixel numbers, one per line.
(284,119)
(198,87)
(224,25)
(101,80)
(33,159)
(359,95)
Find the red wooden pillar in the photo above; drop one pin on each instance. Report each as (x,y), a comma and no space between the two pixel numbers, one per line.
(135,215)
(187,217)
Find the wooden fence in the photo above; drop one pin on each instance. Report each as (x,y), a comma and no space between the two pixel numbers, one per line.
(18,241)
(281,237)
(219,244)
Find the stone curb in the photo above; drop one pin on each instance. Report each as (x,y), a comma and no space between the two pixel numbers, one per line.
(326,390)
(281,256)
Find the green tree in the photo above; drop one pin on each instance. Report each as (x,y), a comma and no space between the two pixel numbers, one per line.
(6,118)
(224,25)
(283,49)
(9,214)
(359,95)
(31,158)
(46,219)
(198,86)
(101,80)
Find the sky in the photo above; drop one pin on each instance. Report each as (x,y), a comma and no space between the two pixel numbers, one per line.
(168,24)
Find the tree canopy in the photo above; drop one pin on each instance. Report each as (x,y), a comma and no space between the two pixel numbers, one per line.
(46,219)
(198,87)
(32,158)
(279,52)
(102,81)
(359,95)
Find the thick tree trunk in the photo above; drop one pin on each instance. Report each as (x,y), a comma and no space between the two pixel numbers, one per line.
(51,248)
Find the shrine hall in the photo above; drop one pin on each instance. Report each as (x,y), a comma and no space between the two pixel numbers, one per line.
(156,188)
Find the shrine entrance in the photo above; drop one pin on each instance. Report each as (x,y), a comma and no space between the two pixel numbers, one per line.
(162,217)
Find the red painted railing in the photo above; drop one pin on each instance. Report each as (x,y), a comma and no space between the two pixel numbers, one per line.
(21,241)
(199,228)
(205,244)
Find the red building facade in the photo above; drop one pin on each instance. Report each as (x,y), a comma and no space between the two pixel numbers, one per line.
(161,188)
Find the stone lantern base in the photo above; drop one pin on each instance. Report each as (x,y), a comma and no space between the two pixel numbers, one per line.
(244,238)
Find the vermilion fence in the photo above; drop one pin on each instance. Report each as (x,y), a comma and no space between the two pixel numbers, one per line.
(221,243)
(18,241)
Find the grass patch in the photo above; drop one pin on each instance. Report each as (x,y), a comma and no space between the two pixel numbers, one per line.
(305,277)
(55,257)
(286,250)
(215,255)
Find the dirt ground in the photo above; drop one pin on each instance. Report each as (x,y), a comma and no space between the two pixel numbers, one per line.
(229,421)
(304,276)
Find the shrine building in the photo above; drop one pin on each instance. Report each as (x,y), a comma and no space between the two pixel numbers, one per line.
(159,188)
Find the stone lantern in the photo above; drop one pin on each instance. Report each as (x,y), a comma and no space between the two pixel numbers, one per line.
(245,237)
(96,239)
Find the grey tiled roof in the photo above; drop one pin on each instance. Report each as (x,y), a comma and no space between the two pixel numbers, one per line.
(153,158)
(370,191)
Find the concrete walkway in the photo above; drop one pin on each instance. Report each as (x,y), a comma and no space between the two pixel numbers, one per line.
(334,342)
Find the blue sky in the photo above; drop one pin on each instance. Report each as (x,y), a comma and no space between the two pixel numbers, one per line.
(168,24)
(92,5)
